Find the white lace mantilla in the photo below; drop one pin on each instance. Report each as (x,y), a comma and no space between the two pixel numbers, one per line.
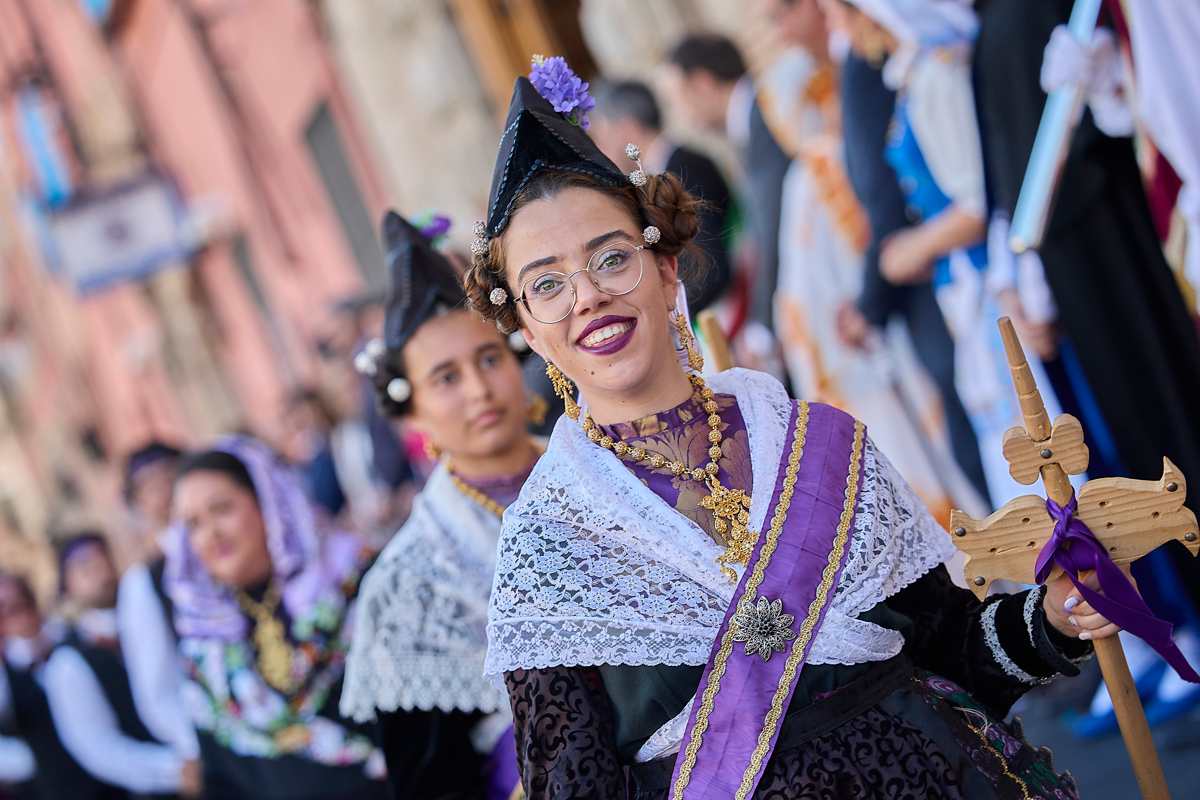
(420,625)
(594,568)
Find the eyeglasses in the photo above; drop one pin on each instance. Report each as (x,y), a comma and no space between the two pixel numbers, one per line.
(614,269)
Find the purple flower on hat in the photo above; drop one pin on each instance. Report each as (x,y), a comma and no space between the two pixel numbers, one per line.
(562,88)
(436,227)
(432,226)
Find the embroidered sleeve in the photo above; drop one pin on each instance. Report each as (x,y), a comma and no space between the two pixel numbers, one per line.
(565,735)
(997,649)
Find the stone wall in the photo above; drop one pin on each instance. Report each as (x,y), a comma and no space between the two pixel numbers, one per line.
(419,92)
(421,102)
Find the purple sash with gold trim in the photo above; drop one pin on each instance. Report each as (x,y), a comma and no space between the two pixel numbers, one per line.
(777,609)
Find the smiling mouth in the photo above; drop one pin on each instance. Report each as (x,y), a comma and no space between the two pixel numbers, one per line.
(600,336)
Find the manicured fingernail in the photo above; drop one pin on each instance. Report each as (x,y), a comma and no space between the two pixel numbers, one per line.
(1073,621)
(1071,603)
(1085,635)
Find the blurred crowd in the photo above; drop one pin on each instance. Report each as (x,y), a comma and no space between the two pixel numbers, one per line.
(855,246)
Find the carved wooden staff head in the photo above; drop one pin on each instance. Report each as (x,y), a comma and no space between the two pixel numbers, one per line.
(1129,517)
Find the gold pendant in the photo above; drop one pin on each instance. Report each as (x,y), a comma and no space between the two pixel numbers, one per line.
(274,654)
(731,513)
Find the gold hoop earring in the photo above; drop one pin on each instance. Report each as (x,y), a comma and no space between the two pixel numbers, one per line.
(431,451)
(538,409)
(688,340)
(564,389)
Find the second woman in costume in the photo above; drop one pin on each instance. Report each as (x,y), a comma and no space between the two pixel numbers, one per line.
(416,664)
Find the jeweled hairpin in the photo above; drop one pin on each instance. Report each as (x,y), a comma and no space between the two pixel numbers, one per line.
(364,364)
(517,343)
(366,361)
(399,390)
(651,234)
(498,296)
(479,245)
(634,154)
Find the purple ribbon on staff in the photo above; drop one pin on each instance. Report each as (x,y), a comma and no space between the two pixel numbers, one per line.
(1074,548)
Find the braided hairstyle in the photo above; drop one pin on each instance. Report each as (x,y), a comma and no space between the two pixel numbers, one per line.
(661,201)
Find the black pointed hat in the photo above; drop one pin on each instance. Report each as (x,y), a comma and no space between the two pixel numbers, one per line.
(423,281)
(536,139)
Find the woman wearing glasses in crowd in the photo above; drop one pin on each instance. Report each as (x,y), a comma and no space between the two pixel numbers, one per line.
(706,588)
(416,663)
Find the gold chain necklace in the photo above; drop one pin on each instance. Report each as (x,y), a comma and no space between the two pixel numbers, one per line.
(730,507)
(274,652)
(472,493)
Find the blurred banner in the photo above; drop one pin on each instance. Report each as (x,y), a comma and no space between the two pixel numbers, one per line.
(127,232)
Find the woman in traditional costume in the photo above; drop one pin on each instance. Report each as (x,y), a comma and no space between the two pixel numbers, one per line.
(707,589)
(416,663)
(261,598)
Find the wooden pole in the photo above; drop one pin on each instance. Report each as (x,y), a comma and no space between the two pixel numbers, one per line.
(1126,704)
(714,336)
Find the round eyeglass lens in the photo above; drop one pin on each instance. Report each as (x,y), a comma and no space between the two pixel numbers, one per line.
(614,269)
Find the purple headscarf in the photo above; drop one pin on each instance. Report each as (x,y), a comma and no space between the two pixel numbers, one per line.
(310,564)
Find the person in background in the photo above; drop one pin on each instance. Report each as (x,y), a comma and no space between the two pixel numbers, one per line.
(309,423)
(143,608)
(33,760)
(707,84)
(1118,310)
(88,688)
(262,593)
(628,113)
(867,107)
(373,469)
(823,233)
(933,145)
(416,662)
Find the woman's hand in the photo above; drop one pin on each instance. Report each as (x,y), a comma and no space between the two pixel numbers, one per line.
(905,259)
(1070,614)
(852,327)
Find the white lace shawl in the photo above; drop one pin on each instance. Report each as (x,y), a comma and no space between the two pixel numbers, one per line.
(594,568)
(419,636)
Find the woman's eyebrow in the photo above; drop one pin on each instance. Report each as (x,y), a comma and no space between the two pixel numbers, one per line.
(541,262)
(595,242)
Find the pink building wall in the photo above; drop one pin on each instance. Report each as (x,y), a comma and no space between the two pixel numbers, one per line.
(218,96)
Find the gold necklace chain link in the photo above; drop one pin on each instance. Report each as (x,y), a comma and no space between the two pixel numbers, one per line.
(471,493)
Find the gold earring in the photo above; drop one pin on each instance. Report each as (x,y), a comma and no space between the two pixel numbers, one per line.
(694,356)
(431,451)
(538,409)
(564,389)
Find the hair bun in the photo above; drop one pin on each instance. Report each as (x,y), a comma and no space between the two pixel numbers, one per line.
(673,210)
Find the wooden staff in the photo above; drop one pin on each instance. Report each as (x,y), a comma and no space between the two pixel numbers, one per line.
(1059,120)
(1128,517)
(1128,706)
(719,355)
